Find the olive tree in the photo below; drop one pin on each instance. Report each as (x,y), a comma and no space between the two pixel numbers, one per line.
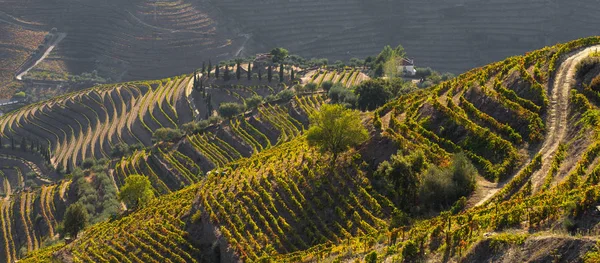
(335,129)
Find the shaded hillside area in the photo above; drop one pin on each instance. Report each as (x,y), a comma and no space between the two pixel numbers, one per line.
(144,39)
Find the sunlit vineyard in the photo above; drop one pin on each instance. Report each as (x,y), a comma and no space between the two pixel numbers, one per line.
(253,190)
(348,76)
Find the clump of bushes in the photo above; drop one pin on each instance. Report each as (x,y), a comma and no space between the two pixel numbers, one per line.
(167,134)
(441,187)
(230,109)
(198,126)
(341,95)
(122,149)
(285,95)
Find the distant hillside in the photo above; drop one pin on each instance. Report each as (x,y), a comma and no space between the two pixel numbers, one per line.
(144,39)
(527,124)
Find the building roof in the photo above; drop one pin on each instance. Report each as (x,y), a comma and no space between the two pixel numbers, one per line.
(407,62)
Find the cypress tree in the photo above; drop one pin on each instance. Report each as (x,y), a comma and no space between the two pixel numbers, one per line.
(203,67)
(195,79)
(217,72)
(281,72)
(259,74)
(238,72)
(209,69)
(269,73)
(226,74)
(292,75)
(249,71)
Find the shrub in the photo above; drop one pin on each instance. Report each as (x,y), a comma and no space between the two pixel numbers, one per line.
(441,187)
(312,87)
(88,163)
(371,257)
(167,134)
(326,85)
(595,84)
(403,173)
(20,95)
(339,94)
(410,253)
(459,205)
(230,109)
(285,95)
(254,101)
(399,218)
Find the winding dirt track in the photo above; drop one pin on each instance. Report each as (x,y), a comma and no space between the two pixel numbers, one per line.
(558,111)
(556,120)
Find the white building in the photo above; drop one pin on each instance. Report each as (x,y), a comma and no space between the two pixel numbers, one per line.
(407,66)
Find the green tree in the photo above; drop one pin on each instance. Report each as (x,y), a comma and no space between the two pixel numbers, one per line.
(75,219)
(403,172)
(238,71)
(281,72)
(335,129)
(249,71)
(209,69)
(279,54)
(373,94)
(254,101)
(230,109)
(371,257)
(270,73)
(326,85)
(226,76)
(217,72)
(167,134)
(136,192)
(285,95)
(312,87)
(441,187)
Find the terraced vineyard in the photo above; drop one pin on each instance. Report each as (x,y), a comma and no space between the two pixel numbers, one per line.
(171,168)
(131,40)
(267,195)
(16,44)
(22,231)
(88,124)
(347,77)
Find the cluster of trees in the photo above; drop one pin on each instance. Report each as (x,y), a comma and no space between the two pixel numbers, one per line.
(253,71)
(122,149)
(97,199)
(414,184)
(370,94)
(28,145)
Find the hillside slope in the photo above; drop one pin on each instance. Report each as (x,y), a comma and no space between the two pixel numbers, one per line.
(145,39)
(285,204)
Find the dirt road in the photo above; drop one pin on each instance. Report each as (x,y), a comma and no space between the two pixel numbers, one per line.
(61,36)
(556,123)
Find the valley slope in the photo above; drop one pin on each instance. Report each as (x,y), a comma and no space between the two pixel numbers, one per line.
(283,202)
